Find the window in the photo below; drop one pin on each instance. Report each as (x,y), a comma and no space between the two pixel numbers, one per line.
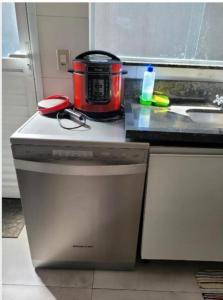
(10,37)
(181,33)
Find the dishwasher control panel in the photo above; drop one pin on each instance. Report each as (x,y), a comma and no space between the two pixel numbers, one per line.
(52,153)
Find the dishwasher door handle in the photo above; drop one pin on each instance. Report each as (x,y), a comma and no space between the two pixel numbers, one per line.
(79,170)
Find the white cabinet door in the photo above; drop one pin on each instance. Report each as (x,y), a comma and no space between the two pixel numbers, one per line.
(183,217)
(18,86)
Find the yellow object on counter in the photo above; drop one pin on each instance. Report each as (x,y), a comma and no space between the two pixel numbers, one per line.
(160,99)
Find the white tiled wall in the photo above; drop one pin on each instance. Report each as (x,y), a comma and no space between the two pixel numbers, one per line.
(60,26)
(58,86)
(171,73)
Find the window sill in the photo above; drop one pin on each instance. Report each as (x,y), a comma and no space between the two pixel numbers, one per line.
(173,72)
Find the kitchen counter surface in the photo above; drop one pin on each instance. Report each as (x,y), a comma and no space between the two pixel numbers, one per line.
(145,124)
(158,126)
(47,130)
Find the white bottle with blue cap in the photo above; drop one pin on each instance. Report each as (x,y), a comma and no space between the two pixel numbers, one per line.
(148,86)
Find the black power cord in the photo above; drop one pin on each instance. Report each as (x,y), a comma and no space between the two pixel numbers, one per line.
(63,115)
(80,117)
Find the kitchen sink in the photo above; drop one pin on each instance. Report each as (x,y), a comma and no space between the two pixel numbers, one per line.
(207,116)
(210,115)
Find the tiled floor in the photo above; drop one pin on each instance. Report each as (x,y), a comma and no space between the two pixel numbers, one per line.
(150,281)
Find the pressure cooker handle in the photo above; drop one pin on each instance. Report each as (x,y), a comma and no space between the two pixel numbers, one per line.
(87,53)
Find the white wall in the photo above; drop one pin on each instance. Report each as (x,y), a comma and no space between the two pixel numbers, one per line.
(66,26)
(60,26)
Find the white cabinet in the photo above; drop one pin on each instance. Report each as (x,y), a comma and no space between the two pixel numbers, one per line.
(183,216)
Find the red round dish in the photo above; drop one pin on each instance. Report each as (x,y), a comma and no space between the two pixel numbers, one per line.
(53,104)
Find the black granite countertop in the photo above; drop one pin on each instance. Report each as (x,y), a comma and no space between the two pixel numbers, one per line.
(159,126)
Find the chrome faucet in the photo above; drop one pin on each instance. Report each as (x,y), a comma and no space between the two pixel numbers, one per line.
(219,101)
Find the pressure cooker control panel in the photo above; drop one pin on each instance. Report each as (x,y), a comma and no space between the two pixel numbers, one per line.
(98,84)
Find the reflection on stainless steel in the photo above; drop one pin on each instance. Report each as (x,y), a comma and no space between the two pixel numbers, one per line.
(144,117)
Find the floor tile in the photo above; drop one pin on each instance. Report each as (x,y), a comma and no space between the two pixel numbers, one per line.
(104,294)
(18,268)
(23,292)
(66,278)
(155,276)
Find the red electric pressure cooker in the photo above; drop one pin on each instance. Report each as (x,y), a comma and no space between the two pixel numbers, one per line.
(98,84)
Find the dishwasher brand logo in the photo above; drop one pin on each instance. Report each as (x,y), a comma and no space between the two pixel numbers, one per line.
(82,246)
(72,153)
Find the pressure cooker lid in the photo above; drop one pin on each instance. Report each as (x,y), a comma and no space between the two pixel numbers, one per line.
(98,56)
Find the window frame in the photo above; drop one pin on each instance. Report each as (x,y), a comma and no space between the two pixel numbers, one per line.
(29,42)
(161,62)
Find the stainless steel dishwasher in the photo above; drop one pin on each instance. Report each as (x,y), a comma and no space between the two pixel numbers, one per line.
(82,200)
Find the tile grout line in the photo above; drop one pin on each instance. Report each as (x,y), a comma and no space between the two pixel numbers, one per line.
(149,290)
(92,285)
(111,289)
(48,286)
